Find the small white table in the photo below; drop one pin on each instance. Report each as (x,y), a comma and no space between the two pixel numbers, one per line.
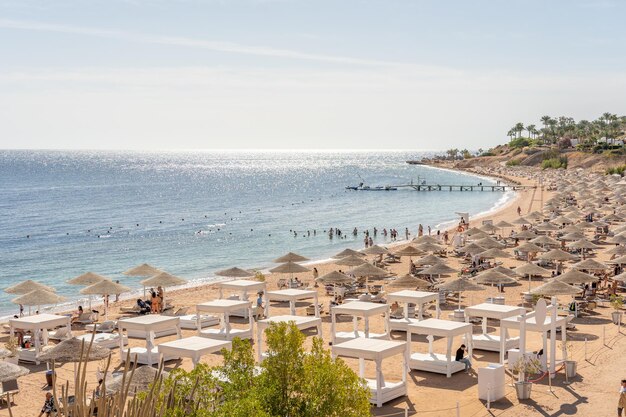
(194,347)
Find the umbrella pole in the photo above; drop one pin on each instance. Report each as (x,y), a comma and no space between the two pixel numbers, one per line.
(459,300)
(528,282)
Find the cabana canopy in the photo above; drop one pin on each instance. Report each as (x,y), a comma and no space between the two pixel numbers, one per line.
(291,295)
(193,347)
(225,308)
(148,327)
(358,309)
(419,298)
(487,341)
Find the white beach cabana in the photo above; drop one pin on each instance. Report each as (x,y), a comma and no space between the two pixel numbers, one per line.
(193,347)
(437,362)
(292,296)
(419,298)
(38,325)
(224,309)
(242,288)
(543,319)
(301,322)
(376,350)
(147,327)
(491,342)
(358,309)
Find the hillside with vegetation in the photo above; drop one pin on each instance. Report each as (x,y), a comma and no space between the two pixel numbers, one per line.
(561,142)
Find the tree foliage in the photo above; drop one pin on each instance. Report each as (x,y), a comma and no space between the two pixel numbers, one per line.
(289,382)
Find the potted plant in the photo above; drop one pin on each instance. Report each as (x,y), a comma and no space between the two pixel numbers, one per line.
(570,365)
(12,346)
(616,302)
(525,367)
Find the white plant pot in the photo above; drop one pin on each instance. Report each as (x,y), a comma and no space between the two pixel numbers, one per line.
(523,390)
(570,369)
(616,317)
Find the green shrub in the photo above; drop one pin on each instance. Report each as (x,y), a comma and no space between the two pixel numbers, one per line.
(554,163)
(616,170)
(519,143)
(513,162)
(488,153)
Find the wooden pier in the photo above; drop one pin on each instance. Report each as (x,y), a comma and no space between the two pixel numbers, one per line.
(441,187)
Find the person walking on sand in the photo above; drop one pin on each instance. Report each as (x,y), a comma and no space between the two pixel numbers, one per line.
(621,404)
(519,211)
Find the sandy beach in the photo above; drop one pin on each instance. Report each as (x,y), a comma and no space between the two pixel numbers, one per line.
(596,343)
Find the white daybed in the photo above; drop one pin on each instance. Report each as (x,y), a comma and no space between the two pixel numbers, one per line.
(491,342)
(190,321)
(376,350)
(224,308)
(193,347)
(419,298)
(107,340)
(358,309)
(242,289)
(38,325)
(147,327)
(437,362)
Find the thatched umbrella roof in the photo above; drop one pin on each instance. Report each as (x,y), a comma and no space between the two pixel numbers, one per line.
(376,250)
(143,270)
(491,276)
(489,228)
(425,239)
(532,270)
(590,264)
(290,257)
(430,247)
(105,287)
(335,277)
(368,270)
(88,278)
(525,234)
(9,371)
(494,253)
(438,269)
(234,272)
(489,243)
(348,252)
(506,271)
(546,227)
(545,240)
(504,224)
(583,244)
(529,247)
(619,239)
(460,285)
(557,255)
(618,261)
(38,298)
(411,251)
(27,286)
(163,279)
(137,380)
(574,276)
(289,268)
(573,236)
(74,350)
(555,287)
(409,282)
(521,221)
(428,260)
(350,260)
(616,250)
(472,249)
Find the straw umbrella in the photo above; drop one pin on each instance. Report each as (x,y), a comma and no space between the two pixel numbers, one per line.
(290,268)
(376,250)
(529,248)
(335,278)
(368,270)
(348,252)
(87,279)
(10,371)
(425,239)
(506,271)
(545,241)
(530,270)
(234,272)
(290,257)
(137,380)
(74,350)
(409,282)
(494,253)
(590,265)
(574,276)
(410,251)
(27,286)
(143,270)
(555,287)
(105,288)
(525,234)
(459,285)
(618,261)
(430,247)
(163,279)
(557,255)
(521,221)
(429,260)
(583,244)
(38,298)
(489,243)
(350,260)
(493,277)
(438,269)
(616,250)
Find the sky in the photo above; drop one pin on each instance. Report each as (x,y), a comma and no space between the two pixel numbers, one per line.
(299,74)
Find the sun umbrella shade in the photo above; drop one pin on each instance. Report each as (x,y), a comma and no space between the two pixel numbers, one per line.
(557,255)
(573,236)
(88,278)
(521,221)
(9,371)
(350,260)
(620,239)
(617,261)
(428,260)
(368,270)
(574,276)
(489,228)
(545,240)
(143,270)
(583,244)
(460,285)
(590,264)
(529,247)
(506,271)
(617,250)
(489,243)
(290,257)
(438,269)
(494,277)
(429,247)
(525,234)
(425,239)
(502,224)
(348,252)
(546,227)
(141,379)
(410,251)
(234,273)
(409,282)
(27,286)
(289,268)
(335,277)
(38,298)
(494,253)
(74,350)
(163,279)
(532,270)
(555,287)
(375,250)
(105,287)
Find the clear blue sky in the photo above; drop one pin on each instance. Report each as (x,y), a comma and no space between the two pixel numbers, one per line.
(388,74)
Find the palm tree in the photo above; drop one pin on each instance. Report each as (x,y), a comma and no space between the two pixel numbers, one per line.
(519,128)
(511,133)
(531,131)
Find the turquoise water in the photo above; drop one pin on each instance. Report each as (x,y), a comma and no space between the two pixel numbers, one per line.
(192,213)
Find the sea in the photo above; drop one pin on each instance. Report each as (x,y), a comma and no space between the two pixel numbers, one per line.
(192,213)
